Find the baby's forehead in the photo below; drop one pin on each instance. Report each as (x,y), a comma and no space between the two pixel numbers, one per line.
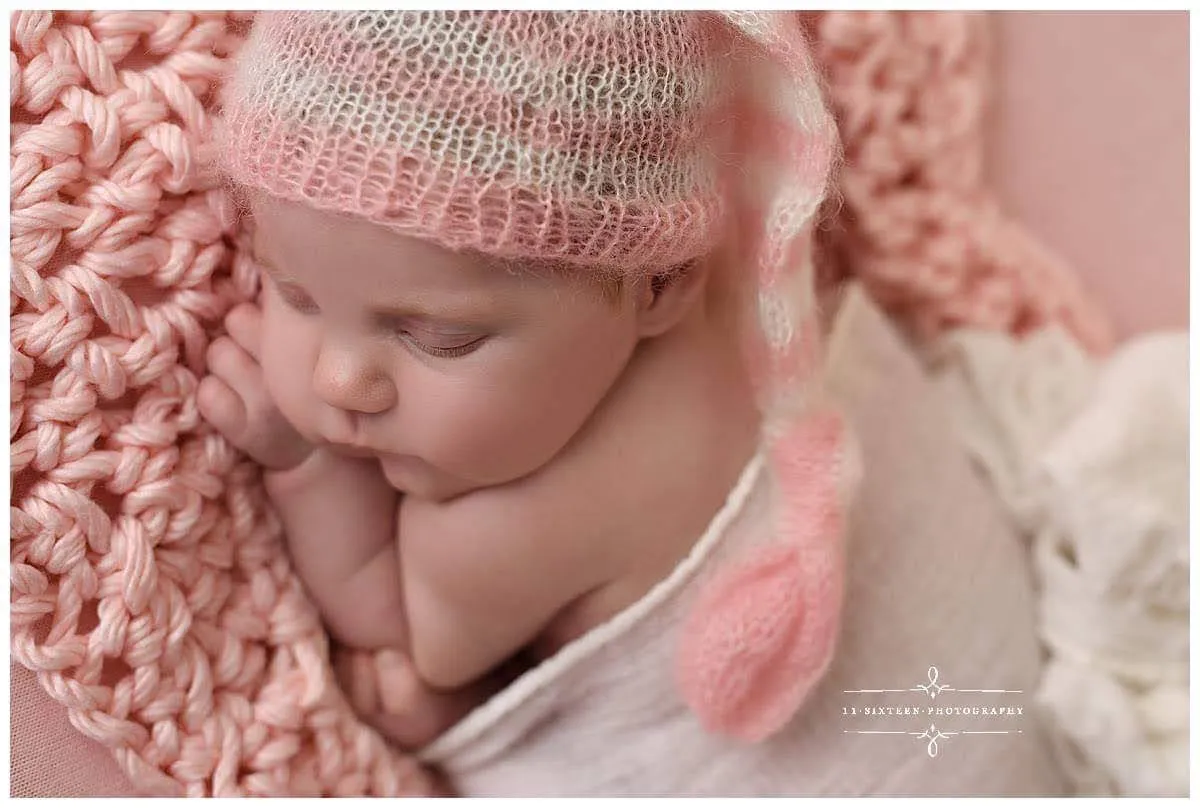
(296,241)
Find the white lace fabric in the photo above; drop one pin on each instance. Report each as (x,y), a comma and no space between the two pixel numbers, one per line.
(1090,458)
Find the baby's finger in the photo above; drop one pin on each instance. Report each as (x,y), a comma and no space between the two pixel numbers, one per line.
(234,365)
(399,685)
(244,324)
(409,731)
(221,406)
(429,714)
(355,674)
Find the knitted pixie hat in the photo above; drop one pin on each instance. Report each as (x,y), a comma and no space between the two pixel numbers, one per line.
(625,142)
(560,136)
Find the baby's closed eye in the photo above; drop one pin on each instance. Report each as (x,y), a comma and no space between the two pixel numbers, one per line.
(442,341)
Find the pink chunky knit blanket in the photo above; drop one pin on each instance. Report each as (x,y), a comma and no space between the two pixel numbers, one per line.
(150,591)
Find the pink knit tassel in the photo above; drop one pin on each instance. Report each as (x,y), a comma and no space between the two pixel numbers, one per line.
(762,633)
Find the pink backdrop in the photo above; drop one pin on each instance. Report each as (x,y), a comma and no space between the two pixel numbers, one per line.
(1089,148)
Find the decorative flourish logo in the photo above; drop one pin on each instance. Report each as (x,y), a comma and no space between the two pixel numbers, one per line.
(934,735)
(932,688)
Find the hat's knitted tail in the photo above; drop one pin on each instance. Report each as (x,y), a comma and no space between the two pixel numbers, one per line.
(762,632)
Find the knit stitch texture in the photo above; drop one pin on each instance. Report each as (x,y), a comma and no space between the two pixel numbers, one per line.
(578,138)
(916,220)
(150,589)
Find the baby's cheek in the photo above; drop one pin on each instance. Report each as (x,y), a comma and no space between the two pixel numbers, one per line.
(540,428)
(490,437)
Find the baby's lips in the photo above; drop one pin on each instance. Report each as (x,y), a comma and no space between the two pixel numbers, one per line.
(758,639)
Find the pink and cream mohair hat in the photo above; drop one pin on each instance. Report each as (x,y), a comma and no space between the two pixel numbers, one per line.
(625,142)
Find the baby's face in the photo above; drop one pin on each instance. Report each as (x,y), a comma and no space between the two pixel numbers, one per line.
(455,372)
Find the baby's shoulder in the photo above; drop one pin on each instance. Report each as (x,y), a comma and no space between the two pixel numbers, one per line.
(651,471)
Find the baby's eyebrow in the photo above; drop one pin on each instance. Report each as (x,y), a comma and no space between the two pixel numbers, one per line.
(473,311)
(275,273)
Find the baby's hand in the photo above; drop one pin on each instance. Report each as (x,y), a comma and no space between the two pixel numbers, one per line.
(234,397)
(383,688)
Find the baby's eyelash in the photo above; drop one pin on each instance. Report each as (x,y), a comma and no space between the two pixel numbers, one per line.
(437,350)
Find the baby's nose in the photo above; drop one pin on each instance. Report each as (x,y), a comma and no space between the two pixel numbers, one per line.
(347,380)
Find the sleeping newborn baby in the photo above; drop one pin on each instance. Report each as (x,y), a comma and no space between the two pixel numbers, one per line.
(535,383)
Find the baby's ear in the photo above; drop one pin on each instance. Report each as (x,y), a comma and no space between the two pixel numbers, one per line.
(664,299)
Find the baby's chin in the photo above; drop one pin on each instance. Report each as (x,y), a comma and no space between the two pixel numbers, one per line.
(415,477)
